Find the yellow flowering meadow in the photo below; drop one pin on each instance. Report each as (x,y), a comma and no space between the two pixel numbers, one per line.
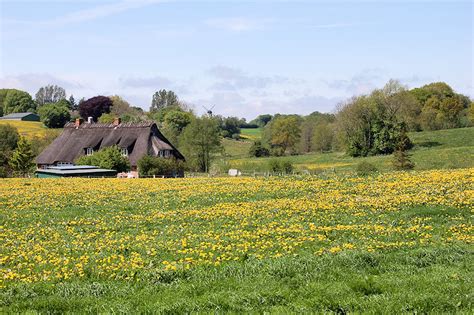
(60,229)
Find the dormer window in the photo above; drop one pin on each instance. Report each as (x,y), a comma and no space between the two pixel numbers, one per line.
(164,153)
(124,152)
(89,151)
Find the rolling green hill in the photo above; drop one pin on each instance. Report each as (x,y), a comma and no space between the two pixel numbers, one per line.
(441,149)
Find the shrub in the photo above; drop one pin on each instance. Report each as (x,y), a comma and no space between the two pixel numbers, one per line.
(109,158)
(258,150)
(236,136)
(365,168)
(149,165)
(401,160)
(277,151)
(279,166)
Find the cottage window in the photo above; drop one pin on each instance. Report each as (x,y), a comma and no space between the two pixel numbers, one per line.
(164,153)
(124,151)
(89,151)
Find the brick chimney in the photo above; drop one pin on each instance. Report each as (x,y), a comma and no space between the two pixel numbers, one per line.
(78,122)
(117,121)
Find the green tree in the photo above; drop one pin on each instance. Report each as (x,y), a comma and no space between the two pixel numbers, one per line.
(9,137)
(323,137)
(22,158)
(162,99)
(174,122)
(49,94)
(106,118)
(471,113)
(108,158)
(401,157)
(121,107)
(72,103)
(441,106)
(8,143)
(16,101)
(369,124)
(177,120)
(285,132)
(54,115)
(230,126)
(262,120)
(95,107)
(200,139)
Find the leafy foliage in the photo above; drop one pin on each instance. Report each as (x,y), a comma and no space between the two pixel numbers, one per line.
(106,118)
(258,149)
(149,165)
(262,120)
(72,103)
(200,139)
(54,115)
(280,166)
(8,143)
(8,137)
(401,158)
(108,158)
(284,133)
(49,94)
(369,124)
(95,107)
(16,101)
(162,99)
(365,168)
(21,160)
(230,126)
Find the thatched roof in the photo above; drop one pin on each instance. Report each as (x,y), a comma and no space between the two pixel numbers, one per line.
(139,138)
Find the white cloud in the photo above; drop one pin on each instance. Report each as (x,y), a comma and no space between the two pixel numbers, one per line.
(93,13)
(236,79)
(155,81)
(33,81)
(230,103)
(239,24)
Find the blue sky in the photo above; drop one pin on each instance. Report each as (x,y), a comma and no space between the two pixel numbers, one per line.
(244,57)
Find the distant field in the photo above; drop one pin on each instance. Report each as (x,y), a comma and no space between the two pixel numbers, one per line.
(28,129)
(251,133)
(442,149)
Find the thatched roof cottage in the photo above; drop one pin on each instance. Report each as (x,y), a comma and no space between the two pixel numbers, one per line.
(134,139)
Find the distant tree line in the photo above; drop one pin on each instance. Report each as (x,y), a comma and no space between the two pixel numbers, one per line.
(371,124)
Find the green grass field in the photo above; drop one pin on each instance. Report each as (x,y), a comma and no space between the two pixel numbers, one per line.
(392,243)
(251,133)
(442,149)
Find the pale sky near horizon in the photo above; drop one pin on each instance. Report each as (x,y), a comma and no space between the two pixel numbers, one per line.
(244,57)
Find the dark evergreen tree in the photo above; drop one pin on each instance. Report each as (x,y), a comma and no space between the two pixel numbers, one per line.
(22,159)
